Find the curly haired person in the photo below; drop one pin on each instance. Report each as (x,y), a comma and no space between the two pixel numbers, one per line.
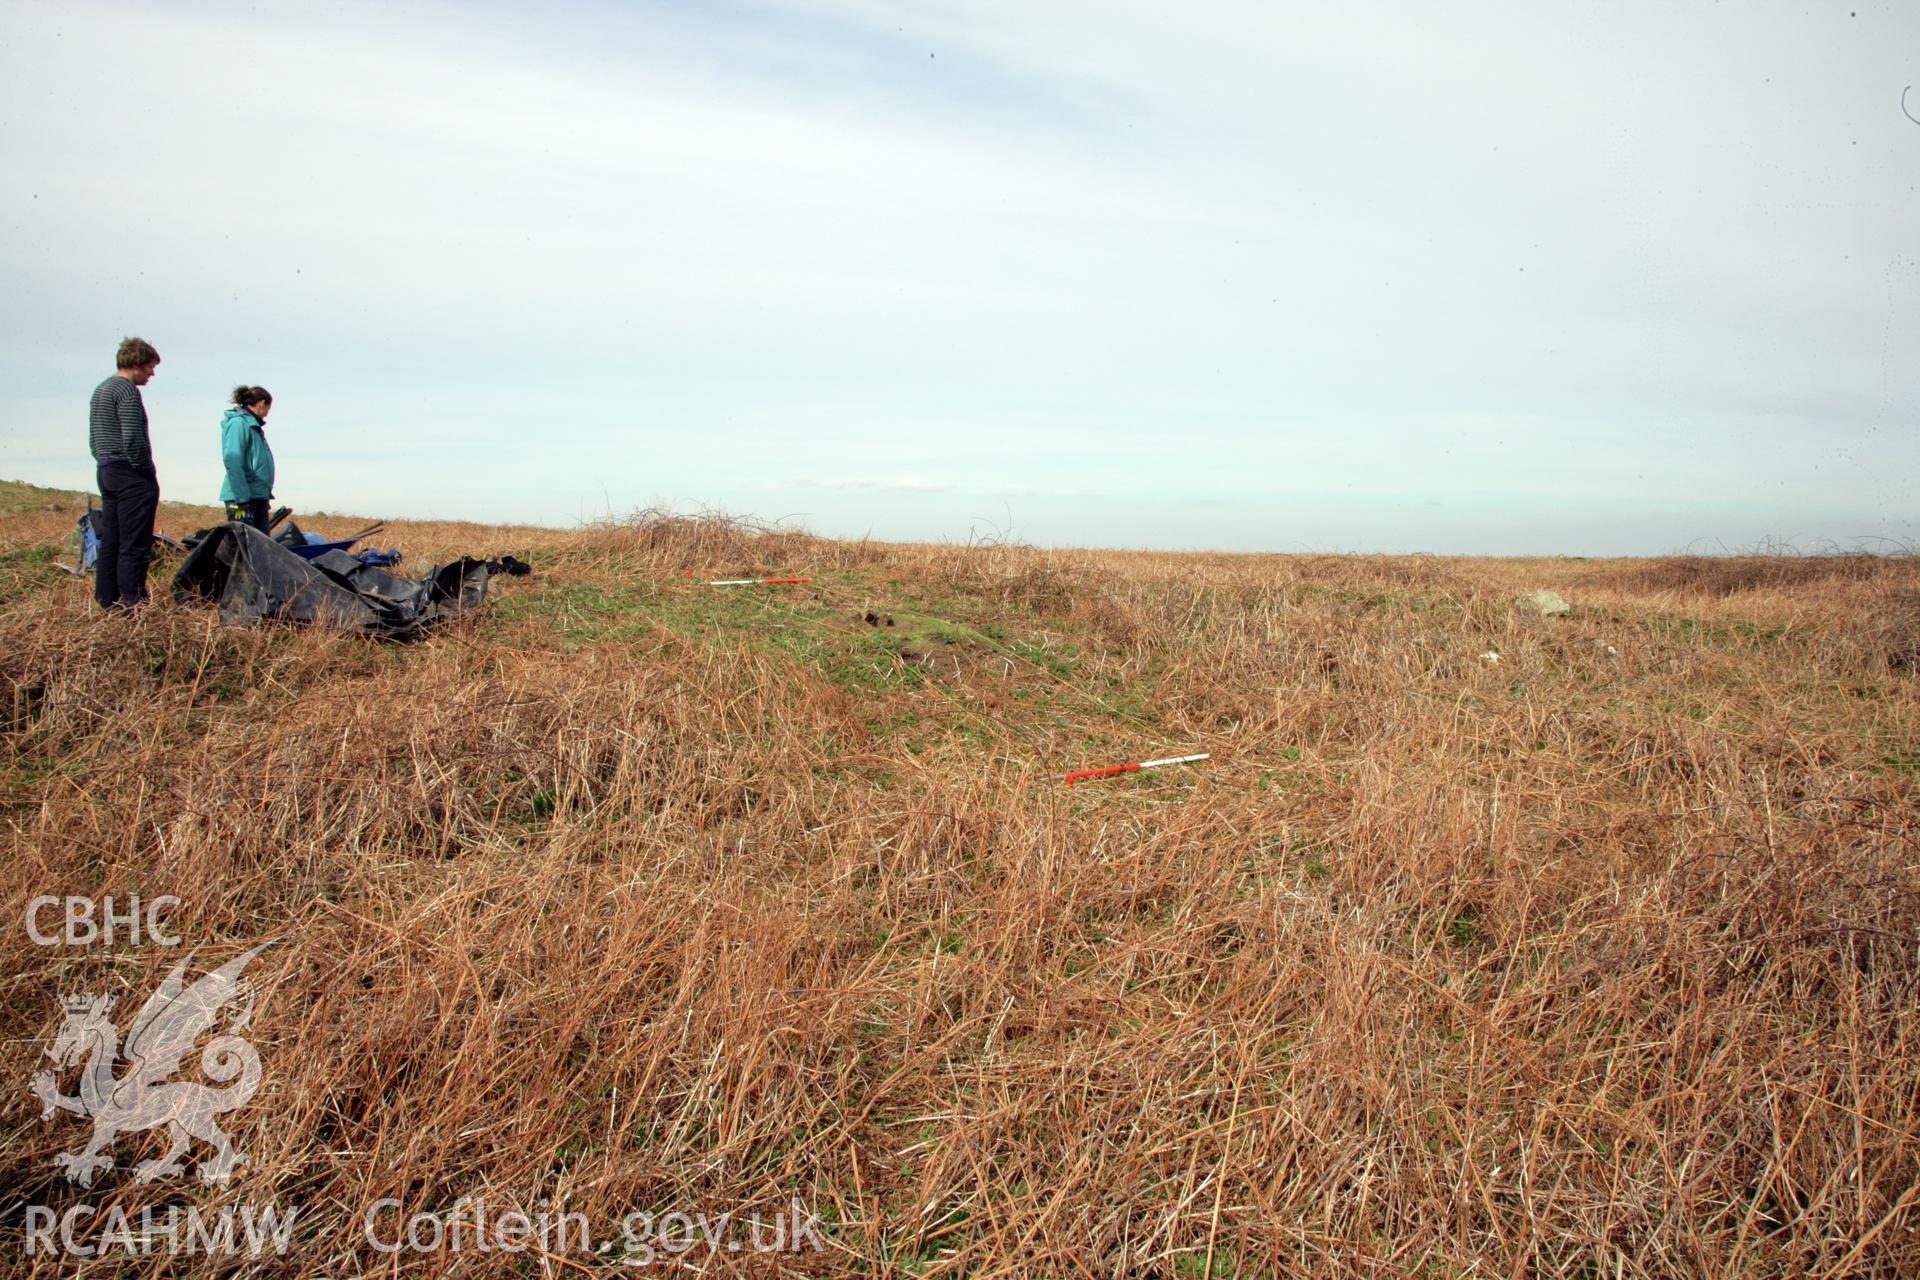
(247,456)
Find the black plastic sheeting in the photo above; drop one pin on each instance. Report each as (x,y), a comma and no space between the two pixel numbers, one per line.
(253,577)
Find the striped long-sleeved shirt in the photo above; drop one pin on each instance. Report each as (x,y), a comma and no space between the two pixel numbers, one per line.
(117,424)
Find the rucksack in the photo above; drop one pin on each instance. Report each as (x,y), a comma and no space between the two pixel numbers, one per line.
(84,543)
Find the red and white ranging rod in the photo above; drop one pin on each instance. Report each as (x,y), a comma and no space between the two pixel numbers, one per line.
(1128,768)
(750,582)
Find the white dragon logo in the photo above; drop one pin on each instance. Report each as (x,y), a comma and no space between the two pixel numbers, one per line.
(145,1096)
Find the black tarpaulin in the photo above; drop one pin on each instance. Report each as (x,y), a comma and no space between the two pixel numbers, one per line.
(251,577)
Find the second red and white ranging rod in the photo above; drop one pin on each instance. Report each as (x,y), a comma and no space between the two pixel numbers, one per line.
(1128,768)
(750,582)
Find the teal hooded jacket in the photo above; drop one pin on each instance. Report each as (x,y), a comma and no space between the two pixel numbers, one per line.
(243,445)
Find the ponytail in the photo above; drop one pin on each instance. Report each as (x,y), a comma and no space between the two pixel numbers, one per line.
(244,396)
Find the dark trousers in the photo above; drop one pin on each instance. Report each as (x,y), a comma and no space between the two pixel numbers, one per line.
(128,499)
(253,511)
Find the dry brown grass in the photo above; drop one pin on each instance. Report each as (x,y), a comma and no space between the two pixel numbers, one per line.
(1731,575)
(1598,960)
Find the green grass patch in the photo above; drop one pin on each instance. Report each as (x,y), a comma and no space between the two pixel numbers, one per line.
(28,557)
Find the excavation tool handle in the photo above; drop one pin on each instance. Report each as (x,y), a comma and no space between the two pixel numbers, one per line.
(1100,773)
(1132,768)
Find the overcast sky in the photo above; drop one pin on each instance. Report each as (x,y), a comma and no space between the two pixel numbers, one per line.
(1404,276)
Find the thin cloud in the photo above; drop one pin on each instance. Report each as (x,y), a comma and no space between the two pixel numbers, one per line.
(1259,278)
(906,484)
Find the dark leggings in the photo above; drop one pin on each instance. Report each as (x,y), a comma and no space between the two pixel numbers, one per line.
(129,497)
(253,511)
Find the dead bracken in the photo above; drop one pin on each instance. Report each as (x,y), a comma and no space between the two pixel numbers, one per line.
(1484,943)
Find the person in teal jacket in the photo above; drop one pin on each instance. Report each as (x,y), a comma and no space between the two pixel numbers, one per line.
(249,459)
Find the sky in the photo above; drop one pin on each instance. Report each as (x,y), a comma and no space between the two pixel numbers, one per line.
(1466,278)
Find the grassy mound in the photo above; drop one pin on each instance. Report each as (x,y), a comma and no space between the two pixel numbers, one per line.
(1486,943)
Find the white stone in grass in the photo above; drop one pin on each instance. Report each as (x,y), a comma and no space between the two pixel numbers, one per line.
(1547,603)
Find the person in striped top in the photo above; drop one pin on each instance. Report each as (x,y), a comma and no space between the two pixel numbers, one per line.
(129,485)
